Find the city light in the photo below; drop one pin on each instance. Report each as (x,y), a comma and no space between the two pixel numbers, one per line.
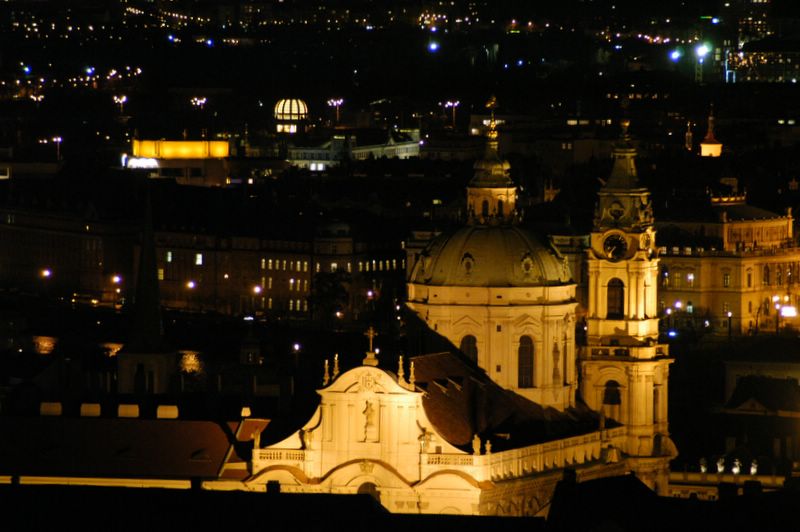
(336,103)
(199,101)
(675,55)
(702,51)
(120,100)
(433,46)
(452,105)
(190,285)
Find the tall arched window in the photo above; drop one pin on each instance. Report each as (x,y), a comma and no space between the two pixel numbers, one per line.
(485,208)
(525,362)
(616,299)
(469,346)
(765,278)
(612,399)
(500,208)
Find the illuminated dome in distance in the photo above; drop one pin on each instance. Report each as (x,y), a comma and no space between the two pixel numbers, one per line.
(291,110)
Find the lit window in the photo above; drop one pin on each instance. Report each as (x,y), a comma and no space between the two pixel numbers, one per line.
(305,265)
(291,284)
(394,264)
(690,280)
(169,256)
(291,304)
(349,267)
(317,267)
(334,266)
(305,285)
(263,264)
(360,266)
(305,306)
(726,280)
(269,264)
(284,265)
(269,283)
(291,265)
(269,303)
(161,274)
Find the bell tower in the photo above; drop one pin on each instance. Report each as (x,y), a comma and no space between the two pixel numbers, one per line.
(624,371)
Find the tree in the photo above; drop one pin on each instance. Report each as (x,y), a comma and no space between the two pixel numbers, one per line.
(329,295)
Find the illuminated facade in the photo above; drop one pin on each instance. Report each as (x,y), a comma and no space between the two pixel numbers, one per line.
(500,294)
(736,268)
(291,116)
(624,370)
(189,162)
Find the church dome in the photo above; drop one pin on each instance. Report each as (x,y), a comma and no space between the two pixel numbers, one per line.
(291,110)
(490,256)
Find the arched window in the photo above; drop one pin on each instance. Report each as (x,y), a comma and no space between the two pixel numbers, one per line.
(485,208)
(369,488)
(469,346)
(525,362)
(665,277)
(616,299)
(765,279)
(612,399)
(500,208)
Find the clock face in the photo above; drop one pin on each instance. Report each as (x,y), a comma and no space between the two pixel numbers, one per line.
(615,247)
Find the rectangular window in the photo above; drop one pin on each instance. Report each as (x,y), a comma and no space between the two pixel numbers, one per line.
(690,280)
(169,256)
(269,264)
(269,303)
(360,266)
(317,267)
(263,264)
(284,265)
(161,274)
(269,283)
(305,285)
(305,265)
(349,267)
(334,266)
(291,304)
(305,306)
(749,279)
(726,280)
(291,284)
(291,265)
(198,259)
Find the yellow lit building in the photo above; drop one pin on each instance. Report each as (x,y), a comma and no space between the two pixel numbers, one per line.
(729,264)
(189,162)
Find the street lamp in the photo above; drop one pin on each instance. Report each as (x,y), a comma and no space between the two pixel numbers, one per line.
(336,103)
(730,331)
(452,105)
(701,52)
(37,98)
(199,101)
(120,100)
(58,140)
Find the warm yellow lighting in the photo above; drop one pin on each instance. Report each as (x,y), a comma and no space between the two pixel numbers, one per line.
(181,149)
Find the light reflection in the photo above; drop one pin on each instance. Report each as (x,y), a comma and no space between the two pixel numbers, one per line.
(191,362)
(111,348)
(44,345)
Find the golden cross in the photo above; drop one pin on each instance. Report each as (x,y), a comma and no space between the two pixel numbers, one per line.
(371,334)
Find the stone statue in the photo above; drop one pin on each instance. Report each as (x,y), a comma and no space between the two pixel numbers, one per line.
(476,445)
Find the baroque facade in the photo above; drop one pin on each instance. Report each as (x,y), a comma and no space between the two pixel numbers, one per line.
(490,430)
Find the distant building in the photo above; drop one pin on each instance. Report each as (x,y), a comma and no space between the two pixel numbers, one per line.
(726,263)
(189,162)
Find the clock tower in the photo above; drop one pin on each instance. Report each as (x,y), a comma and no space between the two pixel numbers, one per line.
(624,371)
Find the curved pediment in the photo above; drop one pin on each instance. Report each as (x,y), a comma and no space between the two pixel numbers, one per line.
(365,379)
